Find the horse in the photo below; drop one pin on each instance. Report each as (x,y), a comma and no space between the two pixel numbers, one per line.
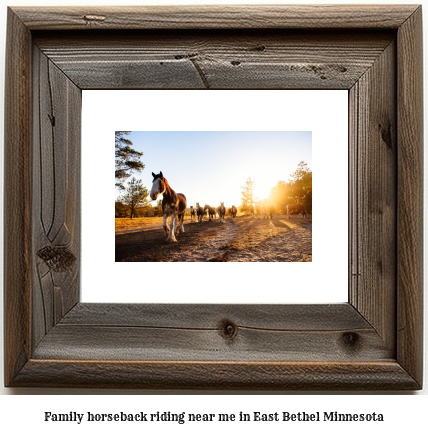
(211,212)
(221,212)
(200,212)
(296,208)
(251,210)
(269,211)
(192,214)
(173,204)
(232,212)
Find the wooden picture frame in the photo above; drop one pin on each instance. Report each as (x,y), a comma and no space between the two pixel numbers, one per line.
(372,342)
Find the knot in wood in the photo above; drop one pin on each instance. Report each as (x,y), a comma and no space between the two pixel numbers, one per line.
(351,340)
(58,259)
(228,330)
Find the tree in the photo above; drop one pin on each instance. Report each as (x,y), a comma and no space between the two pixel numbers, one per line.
(248,196)
(297,190)
(127,159)
(135,196)
(120,210)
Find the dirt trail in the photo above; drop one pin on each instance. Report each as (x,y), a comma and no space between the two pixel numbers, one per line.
(245,240)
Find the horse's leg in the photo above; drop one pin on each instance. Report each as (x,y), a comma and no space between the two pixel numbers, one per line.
(165,224)
(177,224)
(172,228)
(182,223)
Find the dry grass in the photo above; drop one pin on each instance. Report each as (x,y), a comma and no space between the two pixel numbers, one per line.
(126,224)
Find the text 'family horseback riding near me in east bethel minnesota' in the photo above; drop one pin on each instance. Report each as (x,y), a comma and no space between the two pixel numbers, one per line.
(183,417)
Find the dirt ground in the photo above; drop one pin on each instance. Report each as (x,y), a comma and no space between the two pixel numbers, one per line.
(245,240)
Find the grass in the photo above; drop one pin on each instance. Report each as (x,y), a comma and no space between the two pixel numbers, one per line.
(127,224)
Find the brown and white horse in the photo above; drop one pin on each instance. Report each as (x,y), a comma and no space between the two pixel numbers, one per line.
(232,212)
(192,214)
(296,208)
(200,212)
(211,212)
(173,204)
(221,212)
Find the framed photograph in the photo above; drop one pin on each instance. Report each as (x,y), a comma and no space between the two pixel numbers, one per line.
(371,341)
(233,151)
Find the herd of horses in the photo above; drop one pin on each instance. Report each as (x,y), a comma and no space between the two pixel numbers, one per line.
(175,205)
(197,212)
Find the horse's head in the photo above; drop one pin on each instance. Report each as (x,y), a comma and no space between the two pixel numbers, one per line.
(158,186)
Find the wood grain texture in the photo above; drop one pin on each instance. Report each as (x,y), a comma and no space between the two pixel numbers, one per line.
(198,332)
(217,17)
(17,199)
(372,342)
(216,59)
(341,317)
(385,375)
(373,163)
(55,194)
(410,196)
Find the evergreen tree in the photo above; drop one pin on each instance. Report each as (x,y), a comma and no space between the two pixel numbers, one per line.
(297,190)
(135,196)
(248,196)
(127,159)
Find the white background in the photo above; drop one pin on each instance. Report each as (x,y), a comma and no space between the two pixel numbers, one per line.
(404,413)
(324,280)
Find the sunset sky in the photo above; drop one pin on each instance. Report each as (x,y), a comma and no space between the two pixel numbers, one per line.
(210,167)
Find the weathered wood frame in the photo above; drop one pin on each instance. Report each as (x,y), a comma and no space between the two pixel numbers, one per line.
(372,342)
